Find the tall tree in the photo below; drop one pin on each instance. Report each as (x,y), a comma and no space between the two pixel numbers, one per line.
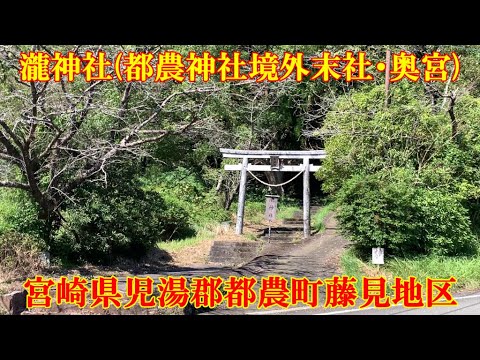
(57,135)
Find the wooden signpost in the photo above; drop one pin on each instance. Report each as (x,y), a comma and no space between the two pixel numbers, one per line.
(271,211)
(275,164)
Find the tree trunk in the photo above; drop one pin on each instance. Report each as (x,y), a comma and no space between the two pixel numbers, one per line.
(48,215)
(275,178)
(230,196)
(453,119)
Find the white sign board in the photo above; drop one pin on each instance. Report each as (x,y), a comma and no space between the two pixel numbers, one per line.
(377,256)
(271,208)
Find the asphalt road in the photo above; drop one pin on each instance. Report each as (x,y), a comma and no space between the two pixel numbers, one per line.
(467,305)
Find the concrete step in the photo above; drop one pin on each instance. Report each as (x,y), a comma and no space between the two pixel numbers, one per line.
(233,252)
(293,222)
(281,234)
(280,241)
(278,238)
(284,230)
(238,245)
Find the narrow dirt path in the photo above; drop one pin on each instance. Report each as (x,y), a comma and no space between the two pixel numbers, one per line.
(315,258)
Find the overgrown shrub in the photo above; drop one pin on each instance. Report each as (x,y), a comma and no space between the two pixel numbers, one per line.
(120,219)
(19,214)
(403,217)
(20,255)
(183,188)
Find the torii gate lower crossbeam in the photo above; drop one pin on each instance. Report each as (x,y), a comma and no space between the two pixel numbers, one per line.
(275,165)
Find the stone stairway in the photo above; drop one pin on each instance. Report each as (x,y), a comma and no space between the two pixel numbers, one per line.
(292,231)
(283,234)
(233,252)
(236,252)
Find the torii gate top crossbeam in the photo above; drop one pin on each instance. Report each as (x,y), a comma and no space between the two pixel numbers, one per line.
(265,154)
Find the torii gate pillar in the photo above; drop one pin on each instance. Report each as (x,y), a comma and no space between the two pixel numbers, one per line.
(241,197)
(306,198)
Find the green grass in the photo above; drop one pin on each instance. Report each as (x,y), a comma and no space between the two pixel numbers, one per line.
(287,211)
(465,269)
(319,217)
(255,210)
(352,266)
(8,207)
(254,213)
(204,233)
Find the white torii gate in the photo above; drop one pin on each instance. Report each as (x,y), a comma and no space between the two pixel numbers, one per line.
(275,165)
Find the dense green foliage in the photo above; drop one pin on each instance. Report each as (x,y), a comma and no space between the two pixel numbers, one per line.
(402,180)
(120,218)
(181,188)
(405,219)
(20,254)
(105,169)
(18,213)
